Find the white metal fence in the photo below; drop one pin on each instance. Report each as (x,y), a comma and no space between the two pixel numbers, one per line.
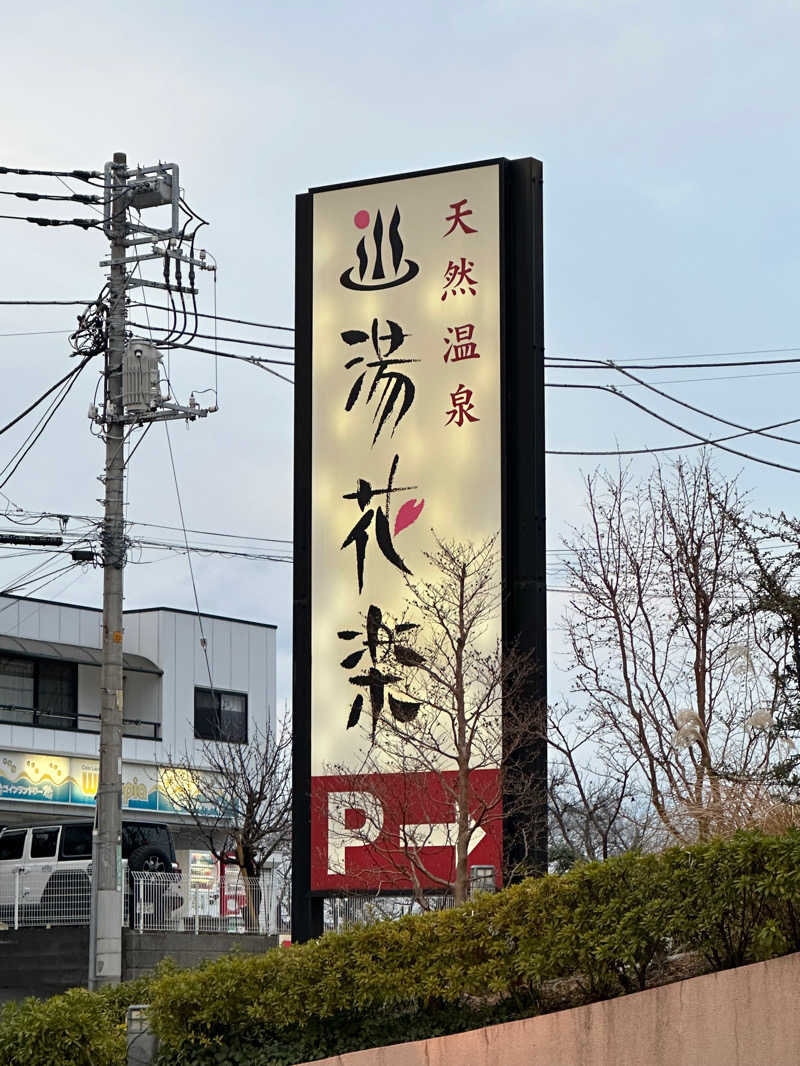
(157,902)
(43,896)
(163,902)
(235,904)
(341,913)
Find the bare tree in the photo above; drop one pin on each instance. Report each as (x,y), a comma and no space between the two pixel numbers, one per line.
(596,804)
(674,675)
(448,744)
(239,798)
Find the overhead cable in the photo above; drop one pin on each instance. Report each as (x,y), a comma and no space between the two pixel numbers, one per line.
(77,197)
(222,318)
(682,355)
(569,363)
(229,355)
(718,443)
(203,642)
(81,175)
(72,374)
(36,332)
(42,425)
(707,414)
(82,223)
(211,337)
(44,303)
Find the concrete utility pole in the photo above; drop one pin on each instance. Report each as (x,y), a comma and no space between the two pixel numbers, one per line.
(107,848)
(132,398)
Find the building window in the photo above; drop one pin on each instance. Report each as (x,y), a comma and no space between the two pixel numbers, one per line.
(17,682)
(220,715)
(39,692)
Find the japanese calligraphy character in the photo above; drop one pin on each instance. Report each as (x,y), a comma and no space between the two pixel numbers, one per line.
(457,278)
(401,270)
(462,403)
(461,345)
(382,646)
(457,218)
(396,386)
(359,534)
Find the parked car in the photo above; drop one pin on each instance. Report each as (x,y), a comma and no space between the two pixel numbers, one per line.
(46,868)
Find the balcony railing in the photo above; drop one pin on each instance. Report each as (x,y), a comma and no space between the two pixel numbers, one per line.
(75,722)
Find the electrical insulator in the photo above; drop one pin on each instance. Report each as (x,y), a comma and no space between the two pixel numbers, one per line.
(141,386)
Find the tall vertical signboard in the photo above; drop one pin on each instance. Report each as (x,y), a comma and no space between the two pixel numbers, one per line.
(419,413)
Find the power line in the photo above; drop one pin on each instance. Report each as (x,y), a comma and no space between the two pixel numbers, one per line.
(210,533)
(72,374)
(80,175)
(253,359)
(36,332)
(707,414)
(42,425)
(83,223)
(718,443)
(211,337)
(563,363)
(717,377)
(81,198)
(36,517)
(203,642)
(90,200)
(256,359)
(207,549)
(684,355)
(221,318)
(45,303)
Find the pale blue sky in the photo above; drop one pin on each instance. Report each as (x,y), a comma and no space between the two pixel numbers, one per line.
(669,137)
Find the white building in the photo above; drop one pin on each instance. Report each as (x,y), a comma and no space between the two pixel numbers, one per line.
(50,704)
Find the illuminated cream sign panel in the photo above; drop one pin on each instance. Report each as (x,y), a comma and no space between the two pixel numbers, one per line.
(406,434)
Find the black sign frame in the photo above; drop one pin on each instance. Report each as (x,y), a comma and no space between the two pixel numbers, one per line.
(523,499)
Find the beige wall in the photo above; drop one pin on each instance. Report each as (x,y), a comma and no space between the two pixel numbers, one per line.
(747,1017)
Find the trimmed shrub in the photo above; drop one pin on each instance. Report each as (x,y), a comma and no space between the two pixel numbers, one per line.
(599,930)
(728,897)
(77,1028)
(73,1028)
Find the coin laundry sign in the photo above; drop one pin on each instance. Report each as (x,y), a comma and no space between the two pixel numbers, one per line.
(399,432)
(29,777)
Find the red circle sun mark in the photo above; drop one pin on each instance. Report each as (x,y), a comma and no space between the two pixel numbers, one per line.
(361,219)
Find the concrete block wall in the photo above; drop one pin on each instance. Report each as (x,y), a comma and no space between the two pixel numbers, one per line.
(142,952)
(43,962)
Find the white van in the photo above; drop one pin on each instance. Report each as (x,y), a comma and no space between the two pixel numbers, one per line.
(45,869)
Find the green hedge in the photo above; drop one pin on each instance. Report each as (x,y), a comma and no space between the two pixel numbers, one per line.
(78,1028)
(604,927)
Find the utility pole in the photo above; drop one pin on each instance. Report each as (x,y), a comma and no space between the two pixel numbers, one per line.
(107,846)
(132,397)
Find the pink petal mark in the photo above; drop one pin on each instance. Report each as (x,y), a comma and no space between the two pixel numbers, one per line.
(361,219)
(408,514)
